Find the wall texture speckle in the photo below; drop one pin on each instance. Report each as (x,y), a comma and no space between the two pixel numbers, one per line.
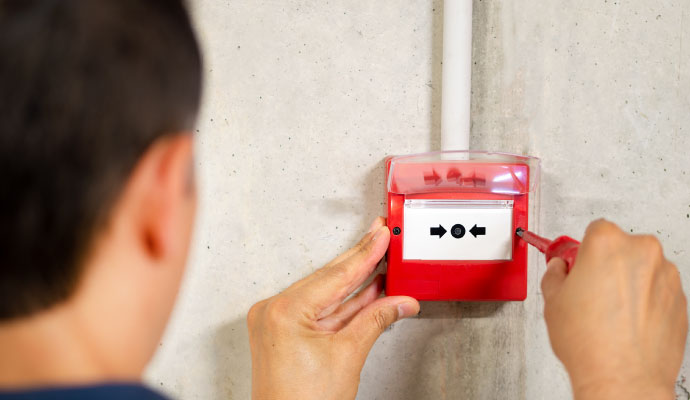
(303,101)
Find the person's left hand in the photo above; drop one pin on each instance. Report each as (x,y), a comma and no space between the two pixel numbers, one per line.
(307,343)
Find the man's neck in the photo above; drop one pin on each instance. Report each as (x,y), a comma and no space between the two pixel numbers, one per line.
(49,349)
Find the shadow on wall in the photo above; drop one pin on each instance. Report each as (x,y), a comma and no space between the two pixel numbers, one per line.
(232,360)
(454,309)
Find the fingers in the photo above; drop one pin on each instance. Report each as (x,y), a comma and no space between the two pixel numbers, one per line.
(375,318)
(323,291)
(361,263)
(554,277)
(346,311)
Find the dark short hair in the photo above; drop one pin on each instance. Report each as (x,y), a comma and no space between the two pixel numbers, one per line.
(86,86)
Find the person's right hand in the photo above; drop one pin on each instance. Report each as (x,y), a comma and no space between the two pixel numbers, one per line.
(618,320)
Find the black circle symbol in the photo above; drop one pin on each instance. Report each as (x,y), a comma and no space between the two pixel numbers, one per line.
(396,231)
(457,231)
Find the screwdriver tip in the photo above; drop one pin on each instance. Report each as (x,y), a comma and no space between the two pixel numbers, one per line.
(519,231)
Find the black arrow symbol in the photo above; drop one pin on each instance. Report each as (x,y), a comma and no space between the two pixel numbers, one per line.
(440,231)
(478,230)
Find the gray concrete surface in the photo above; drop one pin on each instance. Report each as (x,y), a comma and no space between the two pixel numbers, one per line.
(303,101)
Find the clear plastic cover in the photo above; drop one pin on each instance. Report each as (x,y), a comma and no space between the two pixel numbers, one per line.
(463,171)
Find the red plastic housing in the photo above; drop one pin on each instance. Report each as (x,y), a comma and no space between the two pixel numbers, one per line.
(464,280)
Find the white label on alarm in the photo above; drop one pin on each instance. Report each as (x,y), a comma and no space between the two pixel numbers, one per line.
(458,230)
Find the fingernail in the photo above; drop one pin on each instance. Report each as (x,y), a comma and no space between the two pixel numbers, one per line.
(375,225)
(407,309)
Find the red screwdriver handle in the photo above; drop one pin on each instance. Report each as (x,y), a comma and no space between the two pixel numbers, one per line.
(563,247)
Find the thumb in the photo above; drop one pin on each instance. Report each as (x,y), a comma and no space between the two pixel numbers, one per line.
(554,277)
(375,318)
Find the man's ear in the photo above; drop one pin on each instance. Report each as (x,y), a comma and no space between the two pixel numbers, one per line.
(160,197)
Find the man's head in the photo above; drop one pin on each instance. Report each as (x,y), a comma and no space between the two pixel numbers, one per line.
(97,102)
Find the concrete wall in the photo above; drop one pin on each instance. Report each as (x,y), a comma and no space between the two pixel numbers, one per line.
(303,101)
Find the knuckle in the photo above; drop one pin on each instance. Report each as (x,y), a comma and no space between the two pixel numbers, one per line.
(345,269)
(652,246)
(277,311)
(601,228)
(341,271)
(364,248)
(382,318)
(361,245)
(603,236)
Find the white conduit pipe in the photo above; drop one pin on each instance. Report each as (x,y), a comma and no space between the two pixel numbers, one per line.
(457,75)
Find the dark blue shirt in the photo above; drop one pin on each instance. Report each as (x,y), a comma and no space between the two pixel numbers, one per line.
(115,391)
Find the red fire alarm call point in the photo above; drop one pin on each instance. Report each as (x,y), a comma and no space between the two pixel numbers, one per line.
(452,217)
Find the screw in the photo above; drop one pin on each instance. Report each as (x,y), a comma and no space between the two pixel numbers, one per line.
(396,231)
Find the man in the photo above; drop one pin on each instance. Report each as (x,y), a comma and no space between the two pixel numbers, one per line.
(97,104)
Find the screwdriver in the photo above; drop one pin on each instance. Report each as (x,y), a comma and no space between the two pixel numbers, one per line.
(563,247)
